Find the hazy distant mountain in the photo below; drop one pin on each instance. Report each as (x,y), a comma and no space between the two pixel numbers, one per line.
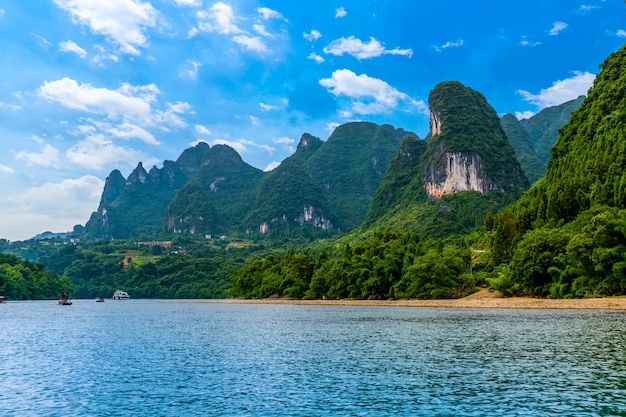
(532,138)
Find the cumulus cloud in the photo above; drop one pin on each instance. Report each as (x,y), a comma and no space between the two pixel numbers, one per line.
(267,107)
(51,206)
(621,33)
(241,145)
(312,35)
(561,90)
(70,46)
(267,13)
(122,22)
(219,18)
(368,95)
(448,44)
(47,157)
(362,50)
(97,151)
(315,57)
(340,12)
(130,103)
(557,27)
(253,43)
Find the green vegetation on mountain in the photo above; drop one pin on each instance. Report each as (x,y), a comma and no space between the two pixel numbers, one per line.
(191,211)
(532,138)
(567,235)
(544,126)
(24,280)
(522,142)
(350,166)
(289,196)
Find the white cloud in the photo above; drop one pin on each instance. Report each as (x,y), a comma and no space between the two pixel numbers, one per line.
(48,157)
(254,120)
(358,49)
(126,101)
(7,170)
(96,152)
(524,114)
(448,45)
(340,12)
(271,166)
(202,130)
(253,43)
(368,95)
(191,70)
(260,29)
(315,57)
(526,42)
(585,8)
(332,126)
(219,18)
(241,145)
(267,107)
(557,27)
(128,130)
(285,143)
(70,46)
(52,206)
(561,90)
(268,13)
(43,42)
(312,35)
(123,22)
(189,3)
(132,103)
(621,33)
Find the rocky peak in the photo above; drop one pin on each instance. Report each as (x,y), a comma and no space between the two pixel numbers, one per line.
(468,150)
(139,174)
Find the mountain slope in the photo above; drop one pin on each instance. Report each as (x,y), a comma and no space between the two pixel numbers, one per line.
(350,165)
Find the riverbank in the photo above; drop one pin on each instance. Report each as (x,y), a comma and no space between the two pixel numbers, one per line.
(480,299)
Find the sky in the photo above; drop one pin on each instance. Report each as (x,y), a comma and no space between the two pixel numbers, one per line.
(89,86)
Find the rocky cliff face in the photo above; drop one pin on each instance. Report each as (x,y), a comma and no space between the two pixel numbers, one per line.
(467,150)
(457,172)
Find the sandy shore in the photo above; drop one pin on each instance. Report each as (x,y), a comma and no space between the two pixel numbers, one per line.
(480,299)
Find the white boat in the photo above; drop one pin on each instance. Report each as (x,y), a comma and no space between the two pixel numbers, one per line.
(121,295)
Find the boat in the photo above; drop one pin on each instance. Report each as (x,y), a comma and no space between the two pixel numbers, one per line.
(100,299)
(64,299)
(121,295)
(1,299)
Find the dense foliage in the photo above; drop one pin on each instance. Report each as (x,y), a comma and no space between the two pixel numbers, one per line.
(565,237)
(24,280)
(522,142)
(388,265)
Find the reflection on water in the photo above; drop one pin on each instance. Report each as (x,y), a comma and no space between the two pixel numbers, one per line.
(156,358)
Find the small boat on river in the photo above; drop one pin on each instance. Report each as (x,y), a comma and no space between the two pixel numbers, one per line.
(100,300)
(121,295)
(64,299)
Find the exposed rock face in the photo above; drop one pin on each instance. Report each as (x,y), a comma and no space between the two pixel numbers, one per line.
(467,149)
(458,172)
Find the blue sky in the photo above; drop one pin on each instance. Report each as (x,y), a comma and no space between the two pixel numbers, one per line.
(88,86)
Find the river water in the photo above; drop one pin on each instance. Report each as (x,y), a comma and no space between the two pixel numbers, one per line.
(169,358)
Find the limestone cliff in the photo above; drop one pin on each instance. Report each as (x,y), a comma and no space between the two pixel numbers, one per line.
(467,148)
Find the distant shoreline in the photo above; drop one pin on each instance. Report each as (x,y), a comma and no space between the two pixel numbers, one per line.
(480,299)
